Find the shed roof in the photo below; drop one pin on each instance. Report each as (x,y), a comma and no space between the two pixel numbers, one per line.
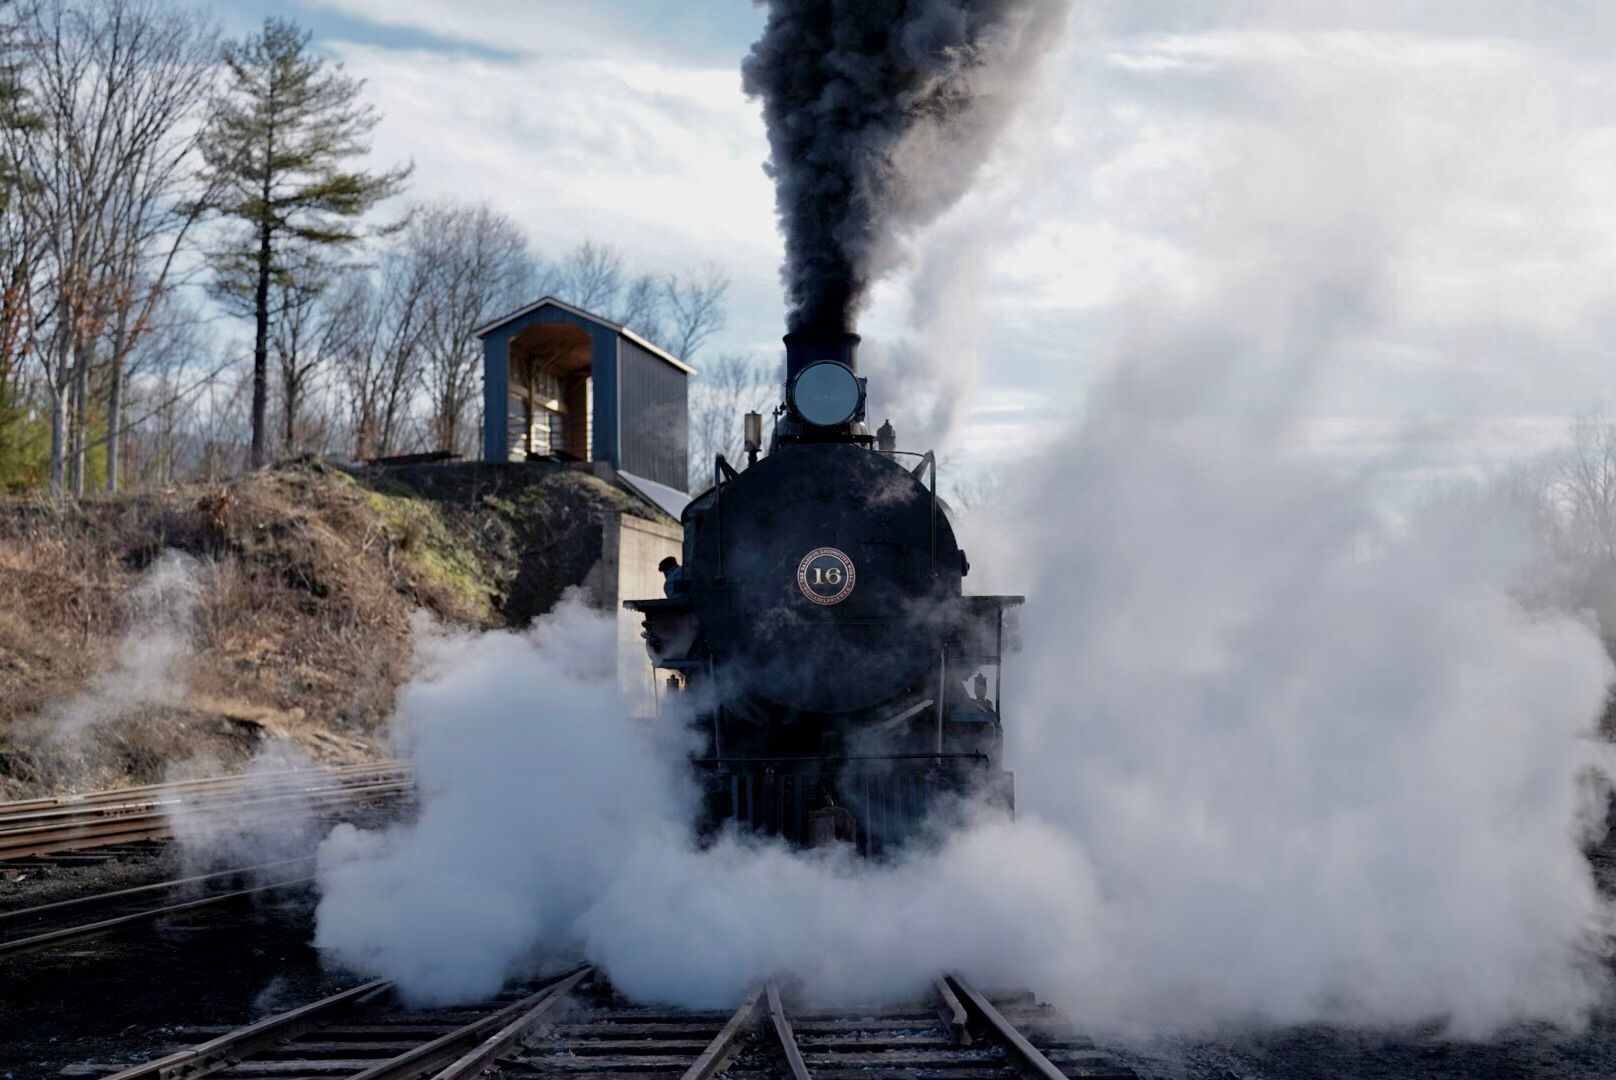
(580,313)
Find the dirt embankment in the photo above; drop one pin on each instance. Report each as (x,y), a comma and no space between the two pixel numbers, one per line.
(148,634)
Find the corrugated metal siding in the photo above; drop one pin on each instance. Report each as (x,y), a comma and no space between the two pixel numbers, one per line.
(654,416)
(496,396)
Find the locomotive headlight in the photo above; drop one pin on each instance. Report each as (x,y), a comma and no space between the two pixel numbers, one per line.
(827,394)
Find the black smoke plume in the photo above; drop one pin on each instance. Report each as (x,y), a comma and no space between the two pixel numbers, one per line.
(879,114)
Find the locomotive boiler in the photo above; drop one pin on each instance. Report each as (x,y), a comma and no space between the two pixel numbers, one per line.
(841,684)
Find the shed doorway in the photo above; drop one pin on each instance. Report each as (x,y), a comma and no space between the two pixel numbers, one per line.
(551,393)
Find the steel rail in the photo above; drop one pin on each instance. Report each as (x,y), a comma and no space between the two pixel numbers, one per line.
(51,938)
(230,1049)
(485,1053)
(27,847)
(716,1055)
(94,833)
(93,827)
(414,1062)
(137,890)
(101,835)
(1032,1059)
(217,788)
(952,1013)
(156,808)
(114,794)
(788,1039)
(114,811)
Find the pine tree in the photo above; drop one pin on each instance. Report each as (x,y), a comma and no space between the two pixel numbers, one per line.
(279,150)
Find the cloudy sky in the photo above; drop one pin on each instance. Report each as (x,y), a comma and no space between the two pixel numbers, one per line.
(1440,176)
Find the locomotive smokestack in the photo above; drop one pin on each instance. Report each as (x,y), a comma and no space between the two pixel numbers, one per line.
(804,347)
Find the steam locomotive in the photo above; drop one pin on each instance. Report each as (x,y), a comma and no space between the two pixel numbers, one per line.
(837,675)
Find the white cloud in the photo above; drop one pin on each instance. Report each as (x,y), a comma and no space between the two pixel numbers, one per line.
(1472,169)
(1469,151)
(654,29)
(667,167)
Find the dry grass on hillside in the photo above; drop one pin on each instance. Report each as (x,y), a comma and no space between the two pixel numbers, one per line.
(141,634)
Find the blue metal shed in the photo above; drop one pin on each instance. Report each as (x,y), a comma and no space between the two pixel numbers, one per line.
(560,382)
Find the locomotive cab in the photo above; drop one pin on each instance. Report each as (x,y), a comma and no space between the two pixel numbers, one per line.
(840,682)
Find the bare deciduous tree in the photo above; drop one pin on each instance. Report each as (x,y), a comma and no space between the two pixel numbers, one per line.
(375,344)
(168,359)
(1585,489)
(115,85)
(980,490)
(157,206)
(591,277)
(475,265)
(677,311)
(720,396)
(300,340)
(695,309)
(640,308)
(1567,506)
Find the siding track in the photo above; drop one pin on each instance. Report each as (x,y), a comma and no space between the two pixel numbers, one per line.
(118,822)
(34,929)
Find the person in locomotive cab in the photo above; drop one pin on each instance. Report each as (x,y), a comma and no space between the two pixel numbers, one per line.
(674,585)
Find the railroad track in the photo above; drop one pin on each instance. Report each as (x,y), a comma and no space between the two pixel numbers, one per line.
(128,820)
(79,918)
(575,1027)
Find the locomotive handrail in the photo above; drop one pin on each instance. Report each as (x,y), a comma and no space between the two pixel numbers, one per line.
(933,459)
(720,467)
(928,458)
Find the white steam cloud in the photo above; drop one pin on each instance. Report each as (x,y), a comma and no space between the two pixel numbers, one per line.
(1277,760)
(533,781)
(150,668)
(1321,769)
(1365,807)
(277,821)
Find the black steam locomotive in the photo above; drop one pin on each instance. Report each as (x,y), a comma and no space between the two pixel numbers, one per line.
(837,673)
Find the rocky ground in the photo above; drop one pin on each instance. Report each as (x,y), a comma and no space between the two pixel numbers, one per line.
(123,995)
(1329,1054)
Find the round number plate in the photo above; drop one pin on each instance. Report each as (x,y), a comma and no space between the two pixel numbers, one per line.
(826,575)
